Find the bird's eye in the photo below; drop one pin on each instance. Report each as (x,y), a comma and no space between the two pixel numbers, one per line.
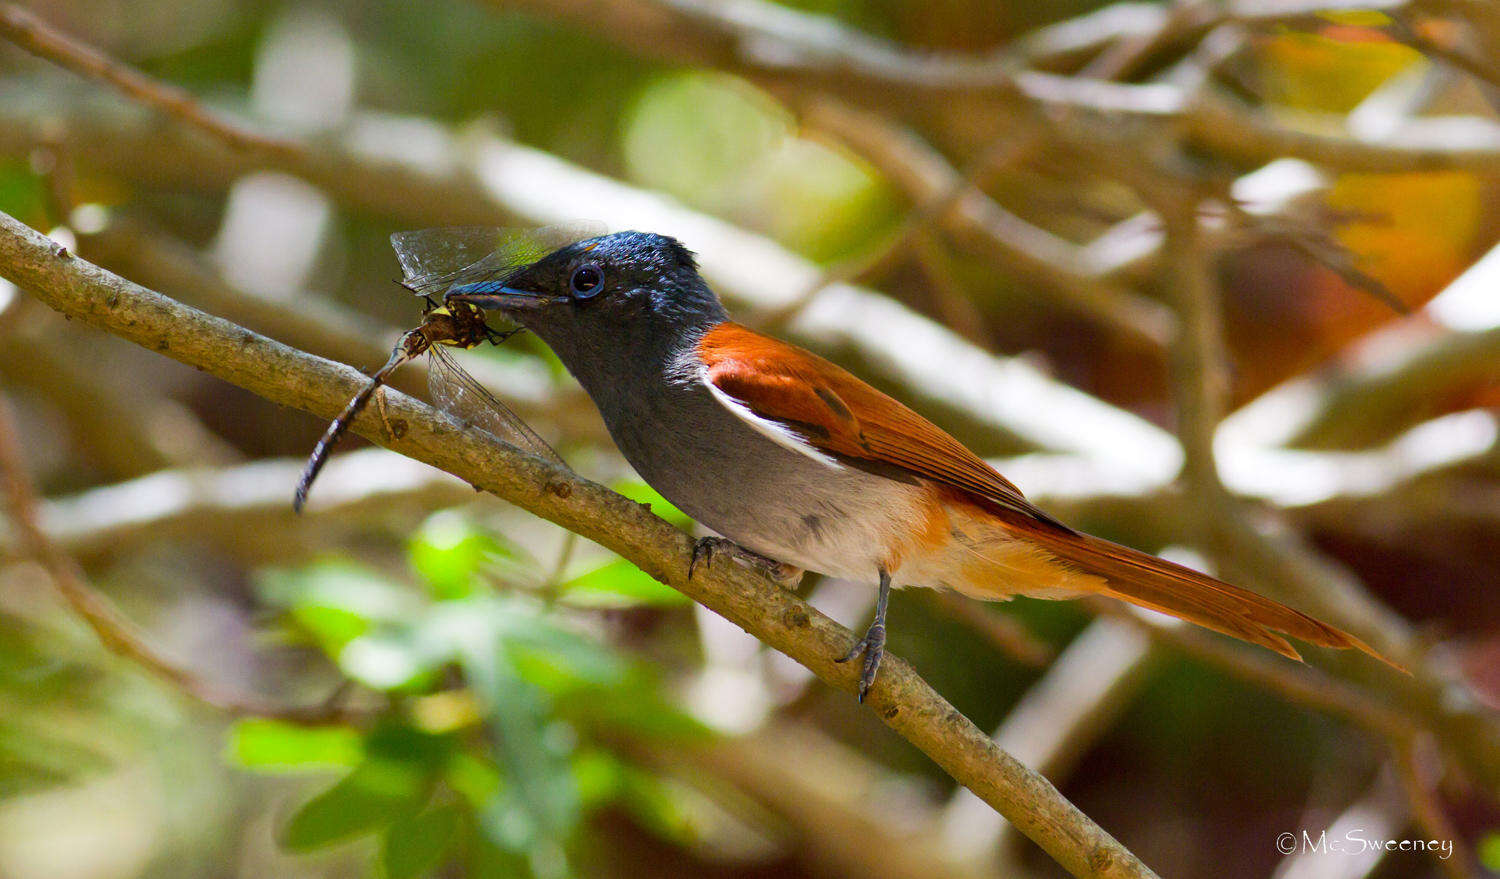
(588,281)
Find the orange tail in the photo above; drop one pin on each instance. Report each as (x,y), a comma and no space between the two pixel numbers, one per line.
(1181,592)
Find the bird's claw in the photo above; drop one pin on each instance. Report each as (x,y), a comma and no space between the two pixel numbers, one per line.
(706,548)
(872,645)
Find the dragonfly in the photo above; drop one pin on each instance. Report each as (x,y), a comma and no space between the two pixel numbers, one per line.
(434,261)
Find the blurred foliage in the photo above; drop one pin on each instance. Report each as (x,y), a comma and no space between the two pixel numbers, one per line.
(488,753)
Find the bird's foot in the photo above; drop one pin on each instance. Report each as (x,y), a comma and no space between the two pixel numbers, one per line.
(706,548)
(872,645)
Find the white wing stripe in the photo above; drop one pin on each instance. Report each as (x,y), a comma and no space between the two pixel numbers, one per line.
(779,434)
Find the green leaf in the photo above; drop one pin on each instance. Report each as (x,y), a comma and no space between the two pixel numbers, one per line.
(331,627)
(22,193)
(473,778)
(540,802)
(275,746)
(556,658)
(415,846)
(337,602)
(642,493)
(618,583)
(376,793)
(656,805)
(489,861)
(448,551)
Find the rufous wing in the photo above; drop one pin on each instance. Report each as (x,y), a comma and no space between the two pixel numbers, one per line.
(836,414)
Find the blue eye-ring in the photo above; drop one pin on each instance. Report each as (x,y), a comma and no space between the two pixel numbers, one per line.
(587,281)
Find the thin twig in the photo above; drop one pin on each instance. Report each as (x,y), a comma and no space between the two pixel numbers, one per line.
(234,507)
(490,181)
(847,271)
(950,300)
(931,206)
(815,54)
(25,30)
(1200,375)
(116,633)
(1366,405)
(1488,75)
(1321,248)
(1282,565)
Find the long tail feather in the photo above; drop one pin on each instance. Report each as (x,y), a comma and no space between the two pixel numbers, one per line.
(1160,585)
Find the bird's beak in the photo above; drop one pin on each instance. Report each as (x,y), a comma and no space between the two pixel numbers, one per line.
(503,298)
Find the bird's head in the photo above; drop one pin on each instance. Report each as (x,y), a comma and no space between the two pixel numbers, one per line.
(616,291)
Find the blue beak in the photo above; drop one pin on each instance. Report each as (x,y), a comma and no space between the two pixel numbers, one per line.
(494,294)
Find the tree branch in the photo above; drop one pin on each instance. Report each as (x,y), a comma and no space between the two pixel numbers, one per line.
(780,619)
(32,34)
(1367,406)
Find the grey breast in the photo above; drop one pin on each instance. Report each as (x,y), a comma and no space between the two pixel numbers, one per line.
(727,476)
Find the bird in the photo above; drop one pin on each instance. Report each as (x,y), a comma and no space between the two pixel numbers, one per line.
(797,465)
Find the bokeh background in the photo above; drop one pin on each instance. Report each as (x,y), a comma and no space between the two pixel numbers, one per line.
(1070,233)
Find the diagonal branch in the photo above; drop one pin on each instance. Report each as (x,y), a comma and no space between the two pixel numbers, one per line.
(34,35)
(779,618)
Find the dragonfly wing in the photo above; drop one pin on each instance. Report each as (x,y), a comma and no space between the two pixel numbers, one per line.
(463,397)
(432,260)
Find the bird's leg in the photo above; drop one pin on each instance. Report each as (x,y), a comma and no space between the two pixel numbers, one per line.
(705,548)
(872,645)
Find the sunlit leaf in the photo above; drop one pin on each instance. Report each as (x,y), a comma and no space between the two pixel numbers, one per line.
(330,627)
(445,711)
(337,602)
(642,493)
(618,583)
(1331,71)
(448,551)
(557,658)
(695,134)
(474,778)
(276,746)
(598,775)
